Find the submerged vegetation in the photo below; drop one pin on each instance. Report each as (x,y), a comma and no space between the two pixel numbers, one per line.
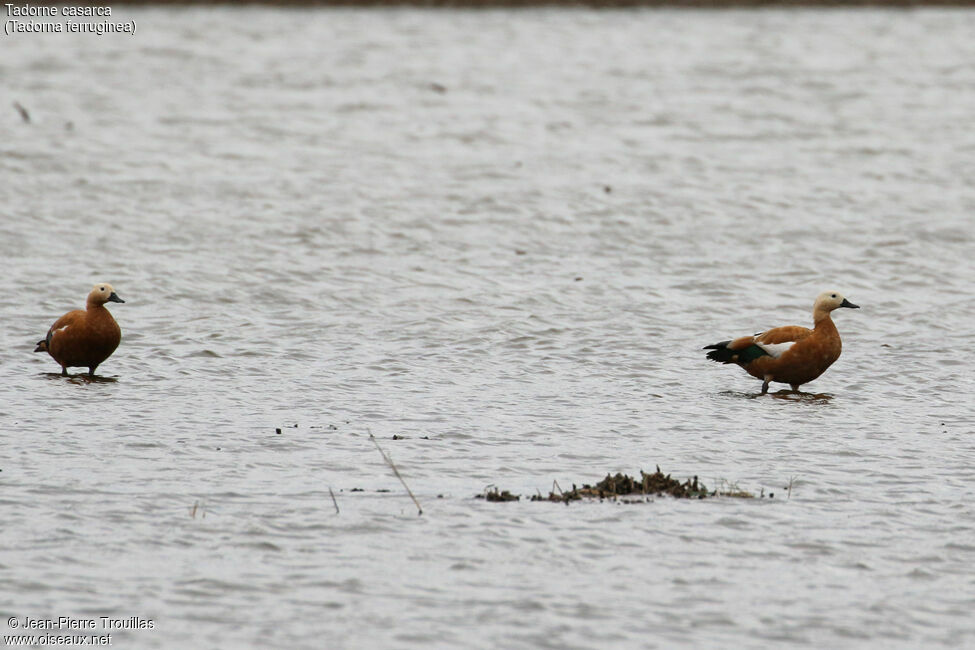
(616,487)
(492,493)
(630,490)
(621,485)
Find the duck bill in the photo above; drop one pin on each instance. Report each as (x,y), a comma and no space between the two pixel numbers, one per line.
(845,303)
(114,298)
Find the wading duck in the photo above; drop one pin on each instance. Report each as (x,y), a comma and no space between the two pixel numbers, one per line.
(792,355)
(84,337)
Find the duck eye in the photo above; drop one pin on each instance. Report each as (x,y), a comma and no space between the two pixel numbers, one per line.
(833,296)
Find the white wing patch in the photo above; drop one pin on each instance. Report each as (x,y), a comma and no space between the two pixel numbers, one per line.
(776,350)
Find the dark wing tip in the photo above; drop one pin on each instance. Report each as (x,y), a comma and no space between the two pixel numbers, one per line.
(717,346)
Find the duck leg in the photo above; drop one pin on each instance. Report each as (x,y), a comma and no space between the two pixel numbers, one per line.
(795,387)
(64,371)
(765,384)
(91,370)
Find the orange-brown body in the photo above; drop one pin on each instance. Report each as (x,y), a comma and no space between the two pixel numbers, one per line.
(84,337)
(815,351)
(792,355)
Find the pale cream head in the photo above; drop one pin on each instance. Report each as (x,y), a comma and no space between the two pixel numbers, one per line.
(827,301)
(102,293)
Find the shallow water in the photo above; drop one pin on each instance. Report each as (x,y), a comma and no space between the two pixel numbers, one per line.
(504,237)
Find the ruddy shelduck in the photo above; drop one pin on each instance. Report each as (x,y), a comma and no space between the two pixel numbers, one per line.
(791,355)
(84,337)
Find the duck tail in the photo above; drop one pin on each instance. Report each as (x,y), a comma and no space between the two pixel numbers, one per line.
(720,352)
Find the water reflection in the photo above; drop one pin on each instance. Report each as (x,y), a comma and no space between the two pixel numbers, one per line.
(80,378)
(799,396)
(784,394)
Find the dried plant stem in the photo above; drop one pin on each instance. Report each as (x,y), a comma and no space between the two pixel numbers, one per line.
(389,462)
(334,502)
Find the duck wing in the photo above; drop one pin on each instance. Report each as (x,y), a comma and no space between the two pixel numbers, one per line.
(62,324)
(776,341)
(772,343)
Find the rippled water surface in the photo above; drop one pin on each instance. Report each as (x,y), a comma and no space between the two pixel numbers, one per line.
(503,238)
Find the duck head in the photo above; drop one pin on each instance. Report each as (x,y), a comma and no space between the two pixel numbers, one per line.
(102,293)
(827,301)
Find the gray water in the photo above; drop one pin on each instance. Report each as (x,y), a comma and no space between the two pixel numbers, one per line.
(502,237)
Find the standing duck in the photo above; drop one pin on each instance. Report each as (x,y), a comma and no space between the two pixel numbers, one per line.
(84,337)
(792,355)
